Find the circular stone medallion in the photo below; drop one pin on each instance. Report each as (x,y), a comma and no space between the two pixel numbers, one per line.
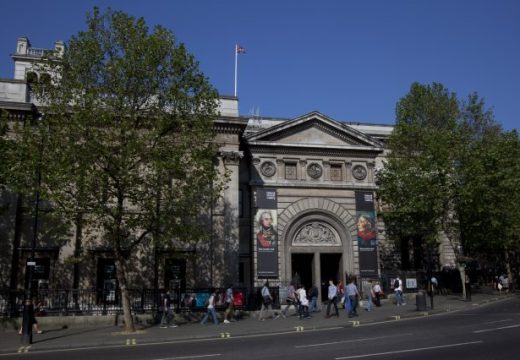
(314,170)
(268,169)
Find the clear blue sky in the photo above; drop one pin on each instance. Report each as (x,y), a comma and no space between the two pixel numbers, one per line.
(351,60)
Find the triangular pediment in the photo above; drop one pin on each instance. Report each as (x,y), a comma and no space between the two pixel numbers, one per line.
(314,130)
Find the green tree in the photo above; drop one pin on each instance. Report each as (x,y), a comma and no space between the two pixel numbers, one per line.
(127,138)
(418,183)
(451,172)
(489,205)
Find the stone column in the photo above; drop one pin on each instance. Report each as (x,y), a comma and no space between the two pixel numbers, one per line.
(317,273)
(226,225)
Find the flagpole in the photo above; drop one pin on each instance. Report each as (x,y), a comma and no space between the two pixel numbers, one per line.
(236,68)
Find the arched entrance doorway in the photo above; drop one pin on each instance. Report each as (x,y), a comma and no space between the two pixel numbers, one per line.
(318,248)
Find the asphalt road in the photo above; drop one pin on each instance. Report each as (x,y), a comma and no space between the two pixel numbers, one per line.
(488,332)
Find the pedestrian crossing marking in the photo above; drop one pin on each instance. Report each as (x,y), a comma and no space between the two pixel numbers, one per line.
(225,335)
(131,342)
(397,317)
(299,328)
(24,349)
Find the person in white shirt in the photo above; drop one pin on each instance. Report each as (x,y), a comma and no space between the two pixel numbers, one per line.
(304,303)
(398,290)
(210,309)
(333,298)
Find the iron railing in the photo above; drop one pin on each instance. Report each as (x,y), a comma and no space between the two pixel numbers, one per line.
(62,302)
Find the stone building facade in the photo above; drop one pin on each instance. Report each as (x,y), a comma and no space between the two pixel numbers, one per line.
(312,178)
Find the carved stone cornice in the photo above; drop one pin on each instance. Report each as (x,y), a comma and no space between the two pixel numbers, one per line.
(322,152)
(231,157)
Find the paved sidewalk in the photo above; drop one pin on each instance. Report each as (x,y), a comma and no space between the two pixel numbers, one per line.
(58,338)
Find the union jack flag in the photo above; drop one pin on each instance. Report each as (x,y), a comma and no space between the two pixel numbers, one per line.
(240,49)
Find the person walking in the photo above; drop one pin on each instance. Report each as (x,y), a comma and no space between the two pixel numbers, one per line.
(378,292)
(291,300)
(230,305)
(304,303)
(368,292)
(210,310)
(341,293)
(332,295)
(352,293)
(398,291)
(167,314)
(33,320)
(267,303)
(313,294)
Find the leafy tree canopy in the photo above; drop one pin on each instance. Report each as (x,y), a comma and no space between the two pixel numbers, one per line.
(125,142)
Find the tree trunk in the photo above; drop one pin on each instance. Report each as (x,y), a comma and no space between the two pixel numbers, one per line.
(125,296)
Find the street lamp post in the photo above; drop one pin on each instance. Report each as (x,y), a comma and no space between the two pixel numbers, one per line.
(430,275)
(28,310)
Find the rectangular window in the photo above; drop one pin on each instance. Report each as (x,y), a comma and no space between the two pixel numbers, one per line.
(290,171)
(336,172)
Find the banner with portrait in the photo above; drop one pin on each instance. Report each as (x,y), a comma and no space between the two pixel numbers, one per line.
(366,223)
(266,234)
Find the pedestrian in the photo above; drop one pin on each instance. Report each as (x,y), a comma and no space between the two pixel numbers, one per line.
(304,303)
(167,314)
(313,294)
(210,309)
(341,292)
(352,293)
(33,320)
(435,285)
(291,300)
(398,291)
(332,295)
(368,293)
(267,303)
(230,305)
(378,292)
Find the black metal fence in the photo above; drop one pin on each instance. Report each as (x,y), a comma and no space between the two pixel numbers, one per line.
(62,302)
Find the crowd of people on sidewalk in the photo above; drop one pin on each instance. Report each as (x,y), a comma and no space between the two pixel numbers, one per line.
(304,302)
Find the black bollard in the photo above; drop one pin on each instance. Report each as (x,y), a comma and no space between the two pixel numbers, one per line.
(27,322)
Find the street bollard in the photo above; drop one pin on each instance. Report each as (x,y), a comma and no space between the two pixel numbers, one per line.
(420,301)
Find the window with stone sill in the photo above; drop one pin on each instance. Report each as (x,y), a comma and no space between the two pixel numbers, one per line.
(336,172)
(290,171)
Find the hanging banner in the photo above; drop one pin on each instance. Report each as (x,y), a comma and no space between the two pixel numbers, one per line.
(266,235)
(366,234)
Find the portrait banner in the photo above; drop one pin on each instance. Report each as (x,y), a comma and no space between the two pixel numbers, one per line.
(266,238)
(366,234)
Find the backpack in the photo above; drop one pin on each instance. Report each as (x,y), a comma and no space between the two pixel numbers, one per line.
(396,284)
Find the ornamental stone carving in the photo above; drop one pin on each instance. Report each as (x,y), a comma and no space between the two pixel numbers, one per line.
(314,170)
(359,172)
(268,169)
(231,157)
(316,234)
